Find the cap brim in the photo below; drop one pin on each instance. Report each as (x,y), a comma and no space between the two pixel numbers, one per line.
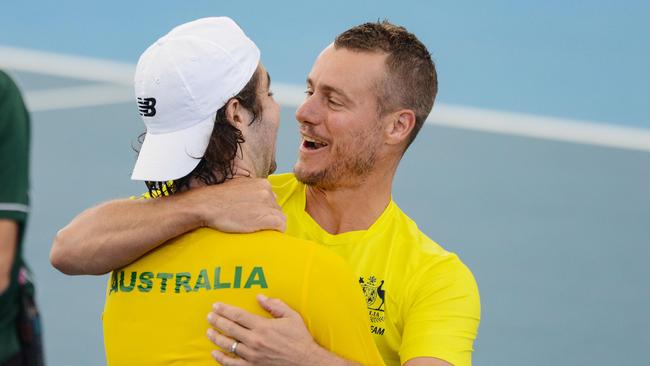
(172,155)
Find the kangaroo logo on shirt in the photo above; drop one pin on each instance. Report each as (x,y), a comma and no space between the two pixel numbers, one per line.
(374,293)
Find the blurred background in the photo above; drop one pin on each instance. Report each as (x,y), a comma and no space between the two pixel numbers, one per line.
(534,165)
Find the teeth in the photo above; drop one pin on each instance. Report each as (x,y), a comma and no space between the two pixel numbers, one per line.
(309,139)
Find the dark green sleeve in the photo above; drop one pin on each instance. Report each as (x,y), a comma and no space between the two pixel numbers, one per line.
(14,152)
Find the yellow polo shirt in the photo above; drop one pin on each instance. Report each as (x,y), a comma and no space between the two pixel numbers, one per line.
(421,300)
(156,308)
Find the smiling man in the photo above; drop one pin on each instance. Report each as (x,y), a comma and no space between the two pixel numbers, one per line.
(368,95)
(210,117)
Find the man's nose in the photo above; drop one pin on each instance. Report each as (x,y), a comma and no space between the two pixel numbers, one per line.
(308,112)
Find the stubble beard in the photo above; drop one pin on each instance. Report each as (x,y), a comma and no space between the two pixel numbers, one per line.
(349,170)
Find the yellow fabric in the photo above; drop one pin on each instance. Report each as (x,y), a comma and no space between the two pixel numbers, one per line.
(148,323)
(422,300)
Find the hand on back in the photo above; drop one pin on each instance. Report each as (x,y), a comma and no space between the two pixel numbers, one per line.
(241,205)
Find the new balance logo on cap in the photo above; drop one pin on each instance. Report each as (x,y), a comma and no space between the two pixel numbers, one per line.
(146,106)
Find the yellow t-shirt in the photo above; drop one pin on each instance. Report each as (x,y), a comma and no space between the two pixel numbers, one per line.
(422,300)
(156,308)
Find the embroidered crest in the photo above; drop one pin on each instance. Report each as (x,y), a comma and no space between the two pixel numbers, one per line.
(373,292)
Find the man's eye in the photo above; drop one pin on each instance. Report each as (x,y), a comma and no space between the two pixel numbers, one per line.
(309,92)
(271,93)
(334,103)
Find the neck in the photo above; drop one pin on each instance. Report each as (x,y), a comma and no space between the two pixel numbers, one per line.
(240,170)
(243,166)
(350,209)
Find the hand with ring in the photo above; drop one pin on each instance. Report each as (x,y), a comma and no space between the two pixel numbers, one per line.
(249,339)
(233,348)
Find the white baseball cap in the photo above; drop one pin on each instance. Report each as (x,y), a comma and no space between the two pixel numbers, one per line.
(180,82)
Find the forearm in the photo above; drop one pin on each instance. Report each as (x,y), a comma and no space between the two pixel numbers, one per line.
(116,233)
(8,239)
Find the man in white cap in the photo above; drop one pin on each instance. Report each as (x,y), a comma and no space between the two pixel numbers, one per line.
(210,117)
(368,95)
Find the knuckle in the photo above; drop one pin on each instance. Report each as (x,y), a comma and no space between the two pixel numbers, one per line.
(255,342)
(219,340)
(263,217)
(265,333)
(224,325)
(237,317)
(275,302)
(275,222)
(256,358)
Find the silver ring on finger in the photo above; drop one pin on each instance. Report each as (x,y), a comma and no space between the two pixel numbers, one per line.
(233,348)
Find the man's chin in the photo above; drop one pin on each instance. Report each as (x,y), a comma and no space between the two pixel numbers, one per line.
(307,177)
(317,179)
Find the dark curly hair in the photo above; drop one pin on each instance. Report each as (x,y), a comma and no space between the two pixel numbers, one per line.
(217,163)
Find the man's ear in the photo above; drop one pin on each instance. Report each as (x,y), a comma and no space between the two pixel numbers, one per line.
(234,112)
(399,126)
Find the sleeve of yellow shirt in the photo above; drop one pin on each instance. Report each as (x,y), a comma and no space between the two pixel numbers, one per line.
(442,313)
(346,332)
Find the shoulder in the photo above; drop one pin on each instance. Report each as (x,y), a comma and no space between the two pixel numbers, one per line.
(446,270)
(14,118)
(5,81)
(209,246)
(433,265)
(442,278)
(318,255)
(412,238)
(8,87)
(267,241)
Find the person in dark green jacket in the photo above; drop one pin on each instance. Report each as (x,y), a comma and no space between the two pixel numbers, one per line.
(18,317)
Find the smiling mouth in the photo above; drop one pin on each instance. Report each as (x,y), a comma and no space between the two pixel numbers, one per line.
(312,144)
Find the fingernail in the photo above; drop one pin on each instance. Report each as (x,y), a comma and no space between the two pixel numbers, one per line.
(262,297)
(216,306)
(210,333)
(211,317)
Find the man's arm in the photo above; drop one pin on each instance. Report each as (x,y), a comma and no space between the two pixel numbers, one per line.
(14,170)
(116,233)
(8,239)
(282,341)
(426,361)
(326,324)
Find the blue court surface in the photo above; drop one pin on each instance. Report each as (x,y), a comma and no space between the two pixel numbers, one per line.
(534,165)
